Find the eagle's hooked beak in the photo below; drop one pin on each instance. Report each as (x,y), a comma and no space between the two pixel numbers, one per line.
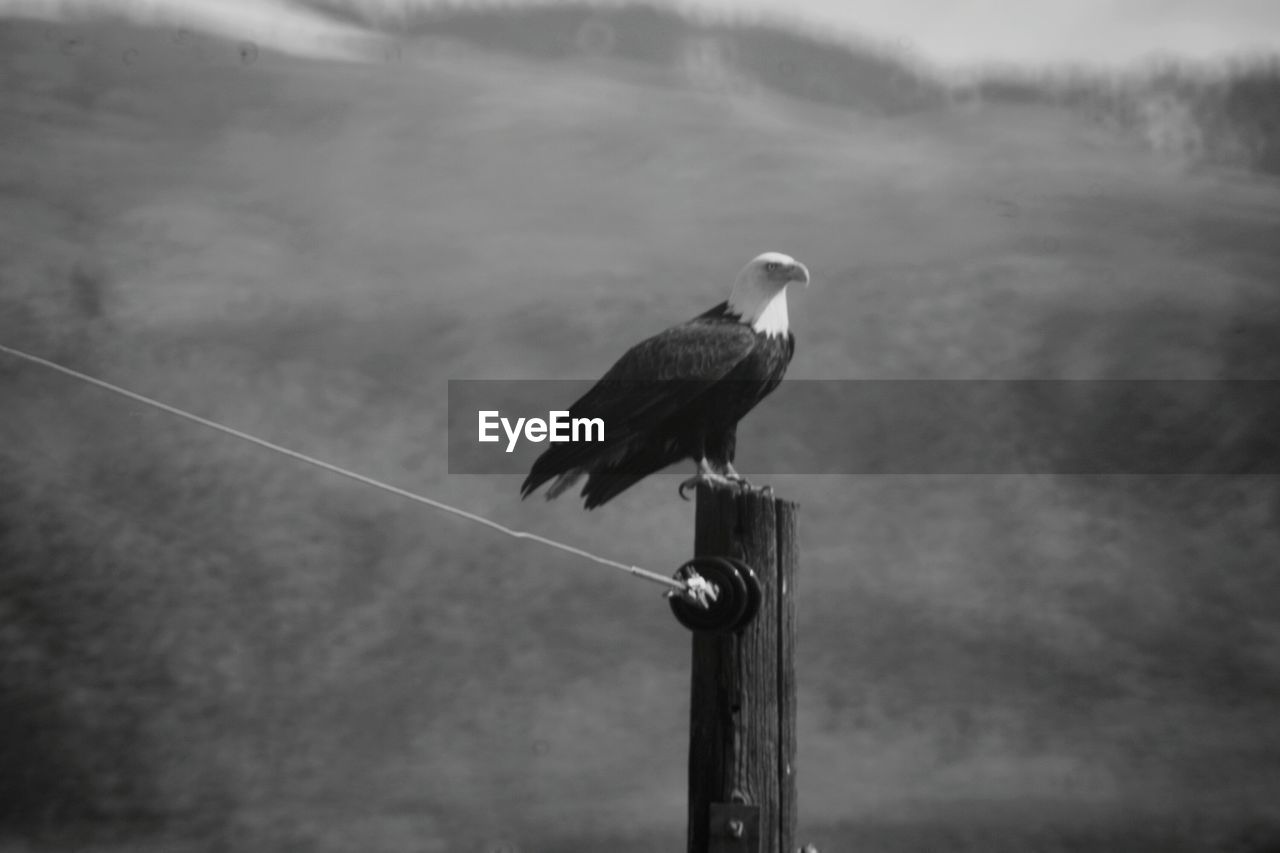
(800,273)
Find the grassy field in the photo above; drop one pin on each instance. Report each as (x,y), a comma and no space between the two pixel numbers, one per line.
(205,647)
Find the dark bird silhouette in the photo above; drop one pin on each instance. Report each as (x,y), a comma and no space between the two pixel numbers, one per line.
(680,394)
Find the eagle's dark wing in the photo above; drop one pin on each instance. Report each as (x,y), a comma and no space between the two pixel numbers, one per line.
(651,382)
(660,375)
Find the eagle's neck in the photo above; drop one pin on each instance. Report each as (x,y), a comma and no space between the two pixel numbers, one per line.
(761,306)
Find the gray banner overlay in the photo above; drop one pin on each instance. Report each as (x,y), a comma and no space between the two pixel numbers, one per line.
(927,426)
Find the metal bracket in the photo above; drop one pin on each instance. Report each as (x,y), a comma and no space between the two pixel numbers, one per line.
(735,828)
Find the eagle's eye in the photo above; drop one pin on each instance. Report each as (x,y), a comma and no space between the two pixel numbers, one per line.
(771,266)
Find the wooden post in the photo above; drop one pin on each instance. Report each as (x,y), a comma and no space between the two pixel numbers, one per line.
(742,736)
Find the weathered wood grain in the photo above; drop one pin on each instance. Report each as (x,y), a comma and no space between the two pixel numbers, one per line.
(742,740)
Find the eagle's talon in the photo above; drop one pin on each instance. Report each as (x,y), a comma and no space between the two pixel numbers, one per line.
(707,477)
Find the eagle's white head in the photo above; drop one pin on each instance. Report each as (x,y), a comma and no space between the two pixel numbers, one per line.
(759,294)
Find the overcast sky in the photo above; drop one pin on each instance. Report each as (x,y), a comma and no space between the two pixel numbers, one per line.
(1036,31)
(946,32)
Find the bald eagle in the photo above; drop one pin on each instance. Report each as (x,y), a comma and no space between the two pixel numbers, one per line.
(680,394)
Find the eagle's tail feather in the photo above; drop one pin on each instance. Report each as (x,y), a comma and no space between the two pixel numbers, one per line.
(565,463)
(603,486)
(563,482)
(548,465)
(621,473)
(609,471)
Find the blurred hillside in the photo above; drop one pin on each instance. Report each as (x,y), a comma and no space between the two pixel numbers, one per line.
(1226,114)
(710,53)
(203,647)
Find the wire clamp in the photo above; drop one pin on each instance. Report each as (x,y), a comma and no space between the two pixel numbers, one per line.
(697,590)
